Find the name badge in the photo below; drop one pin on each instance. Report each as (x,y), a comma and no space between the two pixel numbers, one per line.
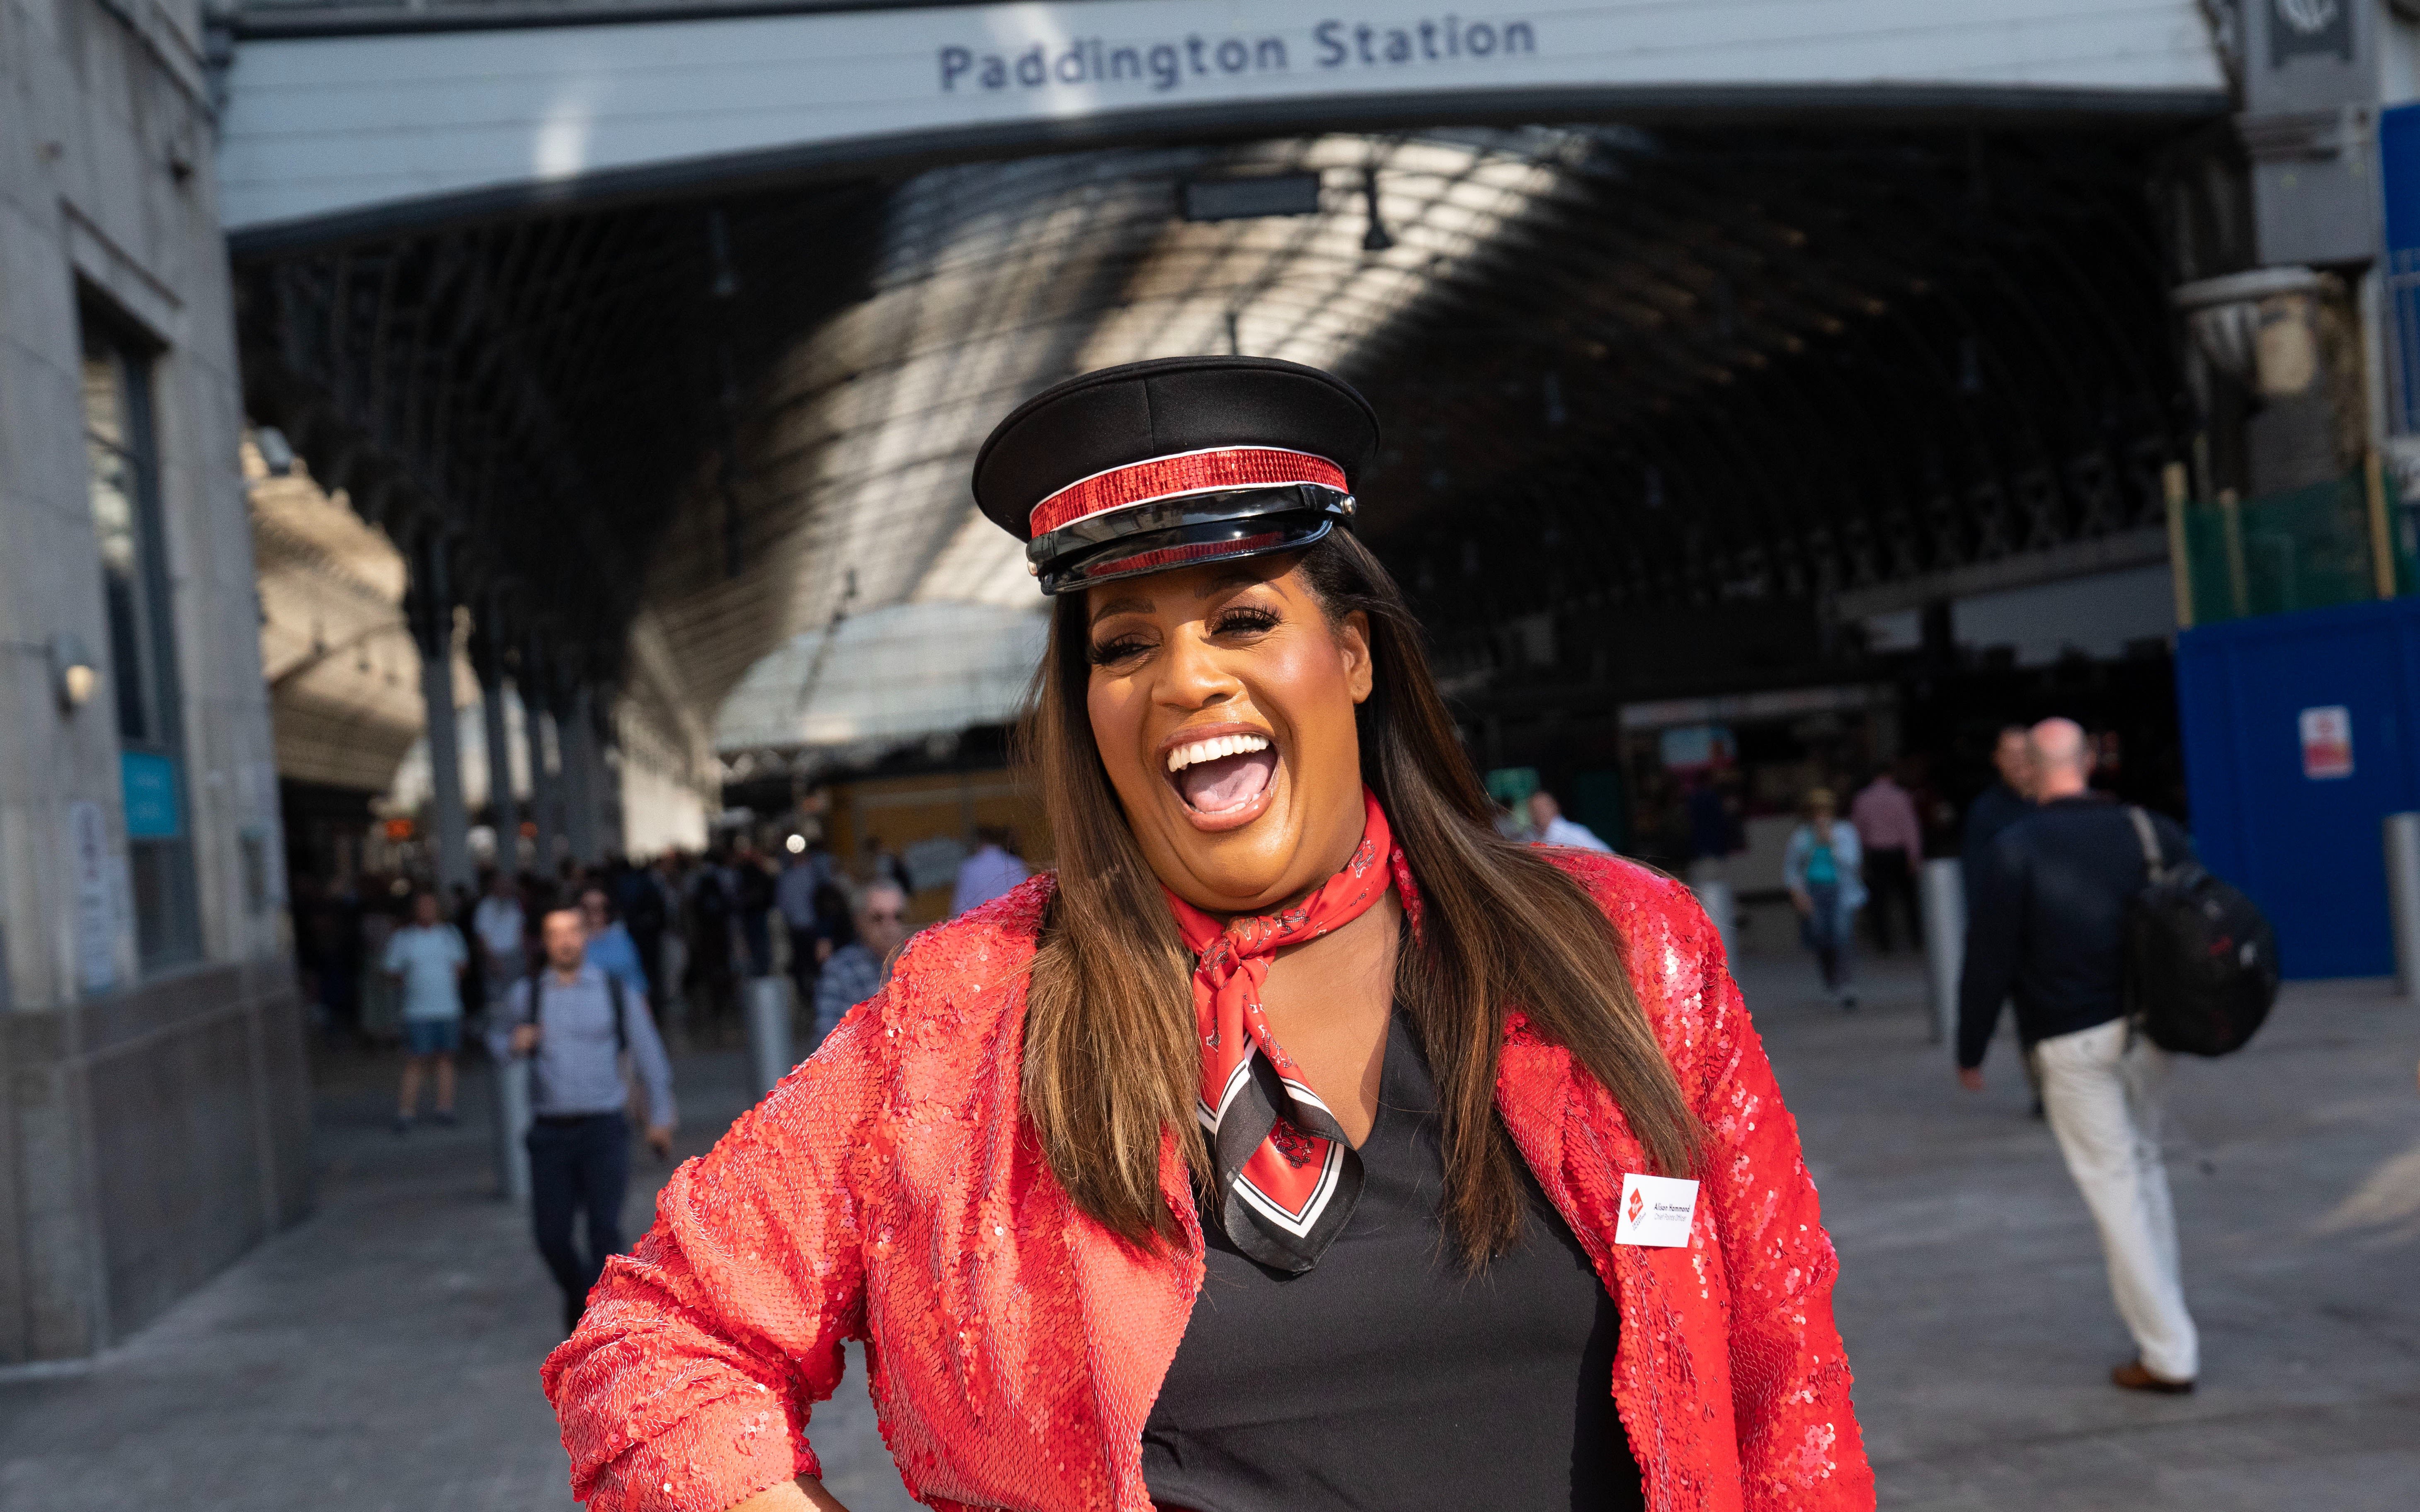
(1655,1210)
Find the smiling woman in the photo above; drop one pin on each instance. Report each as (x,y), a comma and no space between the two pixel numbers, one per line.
(1164,1181)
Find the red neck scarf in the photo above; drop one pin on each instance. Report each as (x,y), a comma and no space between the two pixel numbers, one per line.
(1286,1177)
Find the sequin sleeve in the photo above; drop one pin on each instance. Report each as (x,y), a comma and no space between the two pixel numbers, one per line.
(1799,1446)
(688,1385)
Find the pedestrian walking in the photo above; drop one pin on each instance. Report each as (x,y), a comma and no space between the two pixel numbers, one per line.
(708,907)
(424,960)
(1550,828)
(501,930)
(610,946)
(1890,839)
(1820,867)
(857,970)
(751,901)
(575,1023)
(992,871)
(1158,1184)
(793,897)
(2008,799)
(877,862)
(2048,927)
(642,908)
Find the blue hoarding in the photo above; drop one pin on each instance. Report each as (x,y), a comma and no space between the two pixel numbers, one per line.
(2302,734)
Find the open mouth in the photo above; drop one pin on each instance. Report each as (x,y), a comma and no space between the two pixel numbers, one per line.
(1224,775)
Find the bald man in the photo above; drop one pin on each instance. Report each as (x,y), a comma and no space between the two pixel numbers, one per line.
(2047,927)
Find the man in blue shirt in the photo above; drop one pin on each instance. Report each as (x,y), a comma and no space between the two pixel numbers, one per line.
(425,958)
(573,1022)
(610,948)
(858,969)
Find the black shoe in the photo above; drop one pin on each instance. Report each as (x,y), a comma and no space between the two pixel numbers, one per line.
(447,1117)
(402,1124)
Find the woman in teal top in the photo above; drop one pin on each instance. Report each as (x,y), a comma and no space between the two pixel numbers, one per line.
(1821,870)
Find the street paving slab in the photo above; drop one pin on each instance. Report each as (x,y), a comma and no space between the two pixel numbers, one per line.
(384,1354)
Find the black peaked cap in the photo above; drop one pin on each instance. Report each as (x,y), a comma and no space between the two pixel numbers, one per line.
(1133,413)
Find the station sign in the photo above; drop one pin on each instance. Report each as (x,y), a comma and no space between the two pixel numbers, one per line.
(428,114)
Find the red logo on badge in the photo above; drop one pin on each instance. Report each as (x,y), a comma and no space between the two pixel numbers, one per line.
(1637,1204)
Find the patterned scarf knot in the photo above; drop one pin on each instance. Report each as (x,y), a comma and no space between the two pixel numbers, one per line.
(1286,1176)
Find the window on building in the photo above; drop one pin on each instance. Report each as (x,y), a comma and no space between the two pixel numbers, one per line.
(120,446)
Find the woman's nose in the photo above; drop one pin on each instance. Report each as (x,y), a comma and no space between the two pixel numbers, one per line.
(1198,676)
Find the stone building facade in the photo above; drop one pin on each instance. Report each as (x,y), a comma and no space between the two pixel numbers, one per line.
(153,1098)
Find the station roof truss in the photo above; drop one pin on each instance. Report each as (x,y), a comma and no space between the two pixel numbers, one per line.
(1618,366)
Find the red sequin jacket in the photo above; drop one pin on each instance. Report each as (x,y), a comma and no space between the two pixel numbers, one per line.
(887,1190)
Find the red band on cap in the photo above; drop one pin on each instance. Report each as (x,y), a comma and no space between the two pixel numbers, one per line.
(1178,556)
(1167,477)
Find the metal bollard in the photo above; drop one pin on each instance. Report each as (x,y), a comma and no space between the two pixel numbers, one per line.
(768,1003)
(1716,897)
(512,1096)
(1944,942)
(2403,898)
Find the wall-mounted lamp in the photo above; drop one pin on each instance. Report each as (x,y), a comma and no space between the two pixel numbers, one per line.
(276,452)
(73,677)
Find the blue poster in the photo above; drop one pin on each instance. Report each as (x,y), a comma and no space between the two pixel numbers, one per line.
(149,783)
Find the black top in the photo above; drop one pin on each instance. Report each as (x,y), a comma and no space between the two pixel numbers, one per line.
(2047,921)
(1388,1376)
(1993,809)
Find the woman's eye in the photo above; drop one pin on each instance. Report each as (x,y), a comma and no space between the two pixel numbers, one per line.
(1245,621)
(1103,653)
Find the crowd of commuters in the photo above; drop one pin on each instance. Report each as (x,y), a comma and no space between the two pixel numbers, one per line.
(584,973)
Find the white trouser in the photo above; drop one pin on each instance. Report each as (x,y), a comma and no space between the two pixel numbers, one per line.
(2103,1100)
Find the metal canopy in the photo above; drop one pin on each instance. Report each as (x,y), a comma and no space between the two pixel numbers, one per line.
(1617,366)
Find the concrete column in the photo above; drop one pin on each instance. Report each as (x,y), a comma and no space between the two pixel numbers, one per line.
(450,820)
(500,768)
(1721,905)
(770,1002)
(1943,886)
(544,790)
(2403,898)
(581,775)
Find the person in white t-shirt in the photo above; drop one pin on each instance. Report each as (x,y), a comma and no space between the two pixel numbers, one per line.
(1549,827)
(425,958)
(504,938)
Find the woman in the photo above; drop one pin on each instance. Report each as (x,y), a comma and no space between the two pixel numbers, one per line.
(1821,870)
(1288,1147)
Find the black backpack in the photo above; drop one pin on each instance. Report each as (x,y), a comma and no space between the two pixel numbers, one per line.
(2201,960)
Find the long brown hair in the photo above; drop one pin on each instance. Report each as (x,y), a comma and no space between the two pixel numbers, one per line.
(1109,1056)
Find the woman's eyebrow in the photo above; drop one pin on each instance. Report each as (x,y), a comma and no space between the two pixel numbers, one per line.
(1129,605)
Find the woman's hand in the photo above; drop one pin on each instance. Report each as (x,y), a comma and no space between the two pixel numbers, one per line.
(1802,901)
(790,1496)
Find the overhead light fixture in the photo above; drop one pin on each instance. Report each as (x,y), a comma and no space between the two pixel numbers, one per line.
(1250,196)
(1376,239)
(73,677)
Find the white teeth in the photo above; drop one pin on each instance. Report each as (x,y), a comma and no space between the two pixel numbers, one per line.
(1211,750)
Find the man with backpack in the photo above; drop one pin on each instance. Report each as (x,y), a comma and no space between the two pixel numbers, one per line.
(575,1022)
(2048,926)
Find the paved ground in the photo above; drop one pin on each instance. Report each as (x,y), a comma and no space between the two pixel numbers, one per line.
(384,1355)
